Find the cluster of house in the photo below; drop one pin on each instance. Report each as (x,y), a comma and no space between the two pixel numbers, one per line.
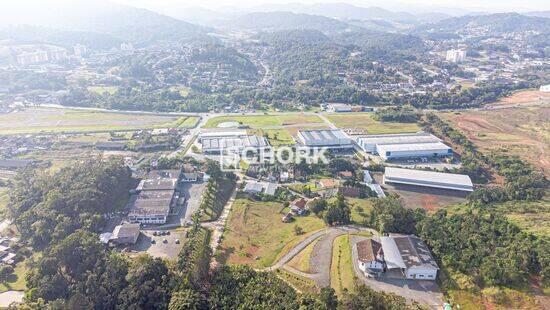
(157,195)
(7,256)
(298,207)
(406,254)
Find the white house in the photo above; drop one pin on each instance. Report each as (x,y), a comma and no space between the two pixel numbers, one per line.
(370,256)
(545,88)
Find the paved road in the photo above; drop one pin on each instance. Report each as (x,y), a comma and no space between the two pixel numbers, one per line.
(424,292)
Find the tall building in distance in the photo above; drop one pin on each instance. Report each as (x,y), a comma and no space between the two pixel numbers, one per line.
(456,56)
(79,50)
(126,47)
(57,54)
(32,58)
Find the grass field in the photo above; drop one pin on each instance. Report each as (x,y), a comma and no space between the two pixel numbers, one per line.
(272,120)
(34,120)
(301,261)
(3,199)
(370,125)
(524,132)
(255,234)
(276,137)
(533,217)
(103,89)
(360,210)
(18,281)
(341,269)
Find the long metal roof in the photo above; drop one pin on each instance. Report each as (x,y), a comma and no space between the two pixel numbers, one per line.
(392,256)
(428,178)
(437,146)
(420,137)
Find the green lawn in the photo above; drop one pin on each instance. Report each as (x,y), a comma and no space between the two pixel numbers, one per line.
(366,122)
(360,210)
(3,199)
(255,234)
(271,120)
(103,89)
(276,137)
(18,281)
(341,269)
(34,120)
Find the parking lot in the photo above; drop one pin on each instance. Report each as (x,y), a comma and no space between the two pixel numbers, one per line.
(163,246)
(192,193)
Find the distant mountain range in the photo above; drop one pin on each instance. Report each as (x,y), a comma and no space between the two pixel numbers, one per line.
(124,23)
(276,21)
(493,24)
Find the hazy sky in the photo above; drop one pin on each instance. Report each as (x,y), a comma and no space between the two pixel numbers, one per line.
(163,5)
(489,5)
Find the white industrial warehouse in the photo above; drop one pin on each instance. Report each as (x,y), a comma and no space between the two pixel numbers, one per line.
(458,182)
(218,145)
(329,138)
(409,145)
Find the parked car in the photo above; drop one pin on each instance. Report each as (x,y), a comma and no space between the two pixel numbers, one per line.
(177,241)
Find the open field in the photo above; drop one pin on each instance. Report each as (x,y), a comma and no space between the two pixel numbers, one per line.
(17,282)
(360,210)
(341,269)
(524,132)
(276,137)
(531,216)
(366,122)
(300,283)
(255,234)
(35,120)
(271,120)
(523,98)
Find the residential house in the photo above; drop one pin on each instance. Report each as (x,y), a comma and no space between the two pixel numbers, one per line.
(370,256)
(298,206)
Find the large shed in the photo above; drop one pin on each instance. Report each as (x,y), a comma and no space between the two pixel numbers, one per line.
(458,182)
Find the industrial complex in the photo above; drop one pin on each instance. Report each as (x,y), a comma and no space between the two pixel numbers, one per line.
(413,145)
(156,196)
(458,182)
(328,138)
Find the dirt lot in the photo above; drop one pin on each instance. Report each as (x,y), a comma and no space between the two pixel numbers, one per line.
(519,131)
(523,98)
(430,199)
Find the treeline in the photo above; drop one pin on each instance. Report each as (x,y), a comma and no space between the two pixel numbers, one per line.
(522,182)
(46,208)
(403,114)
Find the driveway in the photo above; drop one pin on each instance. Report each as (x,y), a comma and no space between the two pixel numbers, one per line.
(423,292)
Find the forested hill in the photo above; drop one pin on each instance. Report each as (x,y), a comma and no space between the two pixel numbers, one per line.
(293,36)
(274,21)
(128,24)
(384,40)
(494,24)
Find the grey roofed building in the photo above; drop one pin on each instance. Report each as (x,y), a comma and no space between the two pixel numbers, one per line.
(260,187)
(413,150)
(369,143)
(324,138)
(225,133)
(221,144)
(126,233)
(459,182)
(156,184)
(406,251)
(410,255)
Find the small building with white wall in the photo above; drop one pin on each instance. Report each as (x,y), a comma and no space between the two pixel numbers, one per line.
(370,257)
(545,88)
